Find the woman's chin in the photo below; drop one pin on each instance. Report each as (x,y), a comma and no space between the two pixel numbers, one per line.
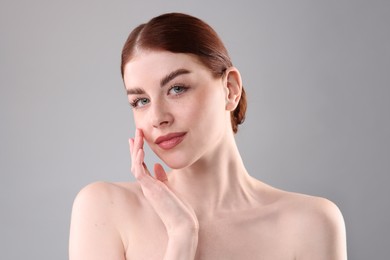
(175,159)
(175,162)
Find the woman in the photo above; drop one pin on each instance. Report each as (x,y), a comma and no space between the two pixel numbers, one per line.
(188,101)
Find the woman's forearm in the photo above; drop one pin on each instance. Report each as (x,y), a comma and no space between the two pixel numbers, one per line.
(182,246)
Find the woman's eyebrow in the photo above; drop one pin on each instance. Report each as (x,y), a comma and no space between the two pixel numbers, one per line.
(173,75)
(163,82)
(135,91)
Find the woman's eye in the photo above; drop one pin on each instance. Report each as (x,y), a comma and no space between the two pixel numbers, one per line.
(175,90)
(140,102)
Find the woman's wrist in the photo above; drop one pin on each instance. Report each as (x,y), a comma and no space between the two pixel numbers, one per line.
(182,244)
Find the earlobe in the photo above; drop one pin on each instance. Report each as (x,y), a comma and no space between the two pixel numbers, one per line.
(233,86)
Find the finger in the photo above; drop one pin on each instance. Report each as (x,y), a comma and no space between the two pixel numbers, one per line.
(140,171)
(139,140)
(142,161)
(131,145)
(140,164)
(137,144)
(160,173)
(138,168)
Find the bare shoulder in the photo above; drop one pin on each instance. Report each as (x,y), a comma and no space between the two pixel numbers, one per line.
(106,199)
(316,226)
(100,210)
(106,202)
(107,192)
(311,208)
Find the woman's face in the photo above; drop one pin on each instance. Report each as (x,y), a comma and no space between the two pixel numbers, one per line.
(178,104)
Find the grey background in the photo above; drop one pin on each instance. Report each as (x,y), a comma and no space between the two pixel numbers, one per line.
(317,76)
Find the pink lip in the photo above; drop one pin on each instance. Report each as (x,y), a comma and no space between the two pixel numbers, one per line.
(169,141)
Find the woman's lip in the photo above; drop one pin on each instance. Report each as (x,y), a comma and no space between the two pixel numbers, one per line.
(170,140)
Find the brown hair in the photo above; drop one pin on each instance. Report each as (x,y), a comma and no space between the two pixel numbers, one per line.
(182,33)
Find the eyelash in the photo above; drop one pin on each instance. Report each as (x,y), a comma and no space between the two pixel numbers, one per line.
(183,87)
(135,101)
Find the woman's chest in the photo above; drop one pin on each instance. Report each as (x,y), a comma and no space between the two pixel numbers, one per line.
(226,238)
(243,238)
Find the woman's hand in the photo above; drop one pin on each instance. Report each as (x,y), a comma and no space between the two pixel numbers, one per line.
(178,217)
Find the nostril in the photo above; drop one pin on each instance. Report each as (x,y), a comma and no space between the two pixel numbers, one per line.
(161,118)
(162,123)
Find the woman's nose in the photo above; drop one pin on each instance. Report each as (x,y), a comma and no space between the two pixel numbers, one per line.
(161,117)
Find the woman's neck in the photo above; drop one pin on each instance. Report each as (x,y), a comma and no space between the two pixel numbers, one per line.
(218,182)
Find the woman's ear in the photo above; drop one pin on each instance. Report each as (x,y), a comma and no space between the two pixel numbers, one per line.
(233,86)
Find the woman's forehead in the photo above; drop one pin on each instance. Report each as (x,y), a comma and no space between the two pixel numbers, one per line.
(157,64)
(162,59)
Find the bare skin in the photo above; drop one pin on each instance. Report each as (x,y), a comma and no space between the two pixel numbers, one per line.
(208,206)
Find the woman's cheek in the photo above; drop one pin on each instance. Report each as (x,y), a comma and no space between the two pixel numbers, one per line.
(190,108)
(139,118)
(140,123)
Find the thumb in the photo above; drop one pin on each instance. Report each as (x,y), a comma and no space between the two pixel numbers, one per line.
(160,173)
